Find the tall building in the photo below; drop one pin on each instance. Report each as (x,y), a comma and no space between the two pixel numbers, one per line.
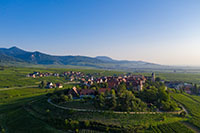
(153,77)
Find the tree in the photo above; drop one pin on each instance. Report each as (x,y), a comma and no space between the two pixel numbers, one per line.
(195,89)
(93,88)
(101,100)
(107,93)
(169,105)
(78,87)
(74,124)
(95,85)
(165,105)
(124,100)
(162,95)
(86,123)
(70,97)
(43,84)
(121,87)
(158,79)
(113,102)
(85,87)
(103,85)
(149,95)
(183,114)
(113,92)
(65,98)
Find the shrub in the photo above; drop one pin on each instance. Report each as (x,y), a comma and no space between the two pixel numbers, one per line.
(74,124)
(76,131)
(183,114)
(47,110)
(86,123)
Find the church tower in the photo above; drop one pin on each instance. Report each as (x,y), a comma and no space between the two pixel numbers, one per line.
(153,77)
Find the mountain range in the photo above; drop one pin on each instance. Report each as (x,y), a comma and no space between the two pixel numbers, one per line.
(16,55)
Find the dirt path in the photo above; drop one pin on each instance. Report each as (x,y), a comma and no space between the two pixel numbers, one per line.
(188,125)
(184,109)
(116,112)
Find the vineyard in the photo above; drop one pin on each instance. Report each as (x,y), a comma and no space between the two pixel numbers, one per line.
(176,127)
(191,105)
(193,97)
(25,109)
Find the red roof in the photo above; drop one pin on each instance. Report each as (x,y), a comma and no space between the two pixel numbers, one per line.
(87,92)
(103,90)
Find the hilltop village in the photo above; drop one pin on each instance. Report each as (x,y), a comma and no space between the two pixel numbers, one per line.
(134,81)
(88,81)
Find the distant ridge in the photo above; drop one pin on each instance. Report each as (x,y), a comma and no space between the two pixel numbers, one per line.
(104,58)
(15,54)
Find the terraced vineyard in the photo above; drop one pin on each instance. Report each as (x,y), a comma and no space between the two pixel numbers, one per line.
(39,110)
(193,97)
(192,105)
(176,127)
(15,117)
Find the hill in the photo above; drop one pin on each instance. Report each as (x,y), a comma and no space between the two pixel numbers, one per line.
(16,55)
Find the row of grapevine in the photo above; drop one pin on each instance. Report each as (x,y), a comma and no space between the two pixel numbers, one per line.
(175,127)
(193,97)
(191,105)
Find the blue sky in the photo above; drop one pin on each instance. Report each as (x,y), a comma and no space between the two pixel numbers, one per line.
(159,31)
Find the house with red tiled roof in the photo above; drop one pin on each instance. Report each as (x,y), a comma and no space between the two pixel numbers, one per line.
(103,90)
(87,92)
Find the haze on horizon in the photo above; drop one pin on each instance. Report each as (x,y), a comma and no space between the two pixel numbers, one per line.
(164,32)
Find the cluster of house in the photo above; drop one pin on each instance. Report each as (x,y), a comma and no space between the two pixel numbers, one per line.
(80,76)
(39,74)
(71,74)
(74,75)
(51,85)
(136,81)
(180,86)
